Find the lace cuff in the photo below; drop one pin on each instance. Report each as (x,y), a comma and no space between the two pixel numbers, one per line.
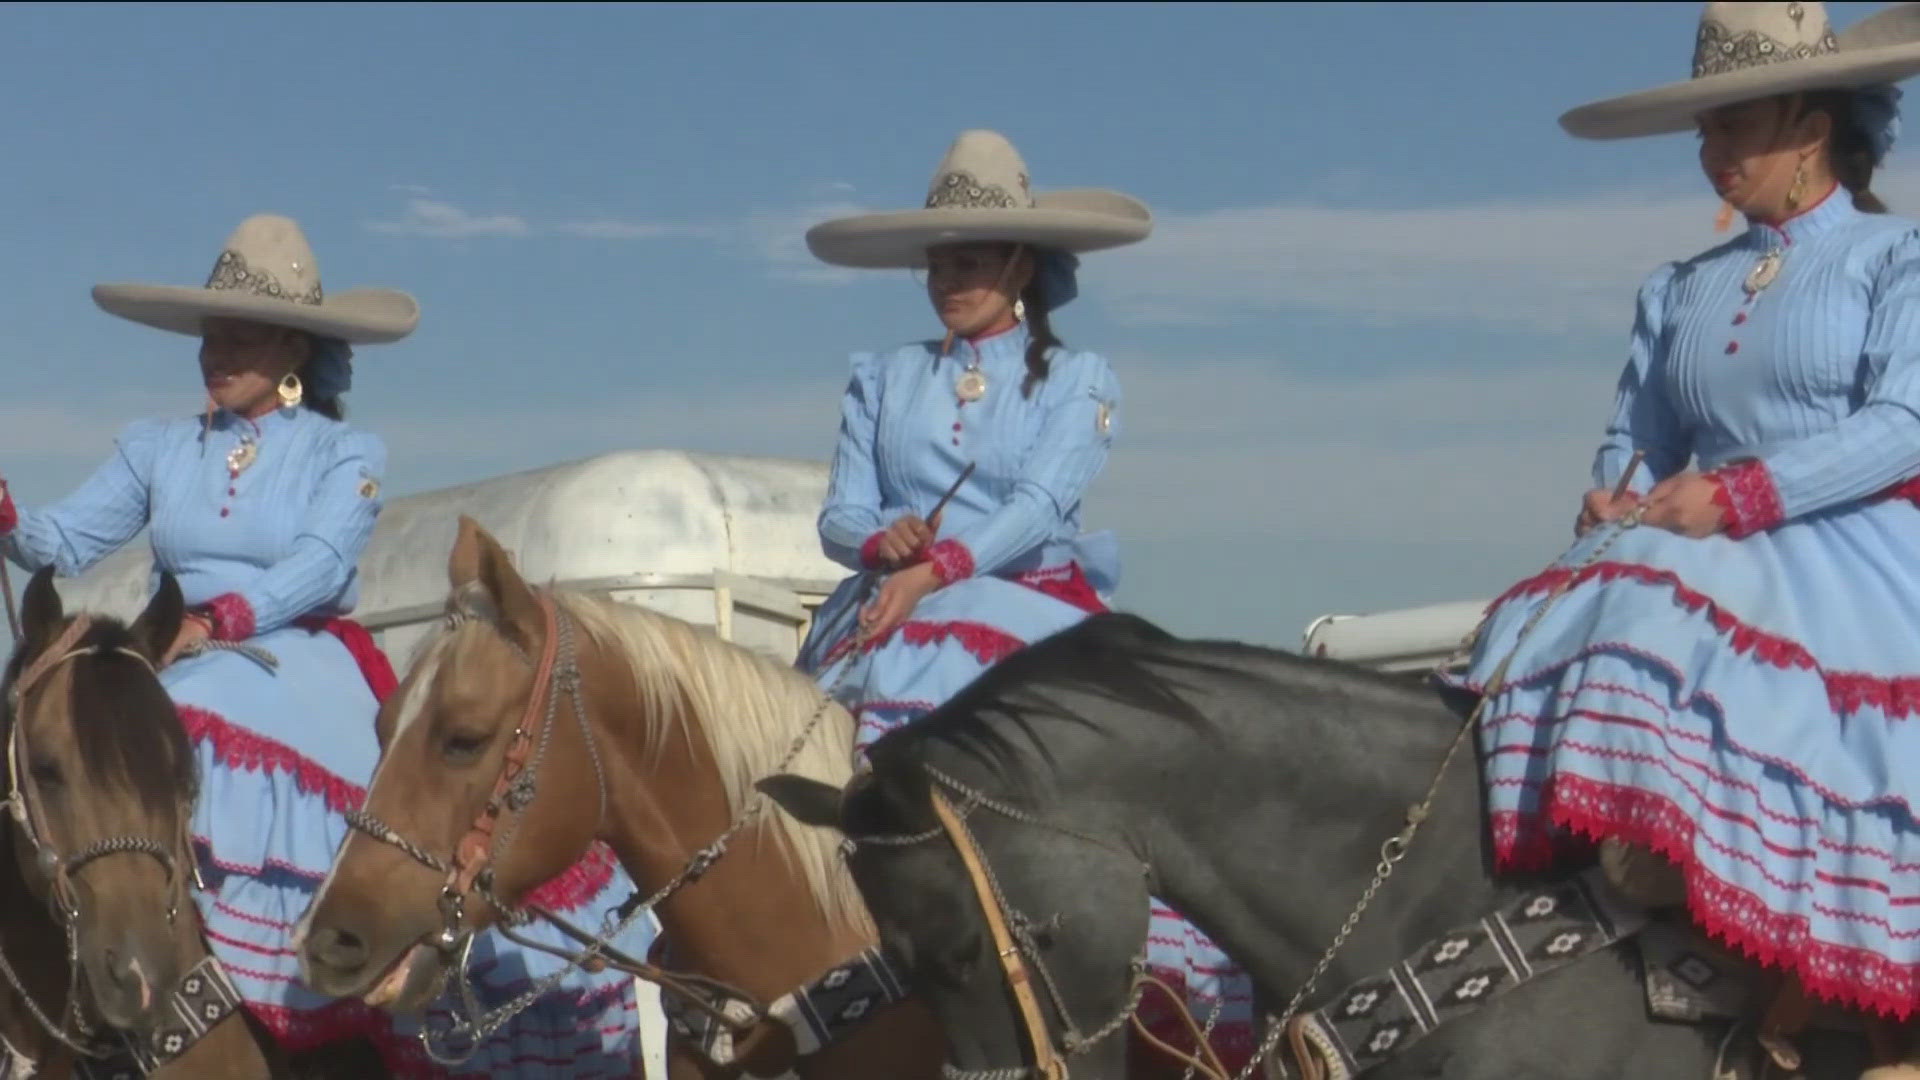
(1747,496)
(951,561)
(231,615)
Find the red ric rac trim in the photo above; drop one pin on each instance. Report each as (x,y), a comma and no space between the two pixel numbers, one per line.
(9,514)
(237,748)
(870,551)
(1746,496)
(232,617)
(1574,807)
(1896,696)
(951,561)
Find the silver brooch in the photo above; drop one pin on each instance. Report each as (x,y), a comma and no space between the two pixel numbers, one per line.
(1764,272)
(242,456)
(971,385)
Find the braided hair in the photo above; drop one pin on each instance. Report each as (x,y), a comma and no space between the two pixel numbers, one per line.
(1851,155)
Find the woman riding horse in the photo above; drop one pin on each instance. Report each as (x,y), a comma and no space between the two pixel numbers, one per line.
(261,508)
(1013,424)
(1733,684)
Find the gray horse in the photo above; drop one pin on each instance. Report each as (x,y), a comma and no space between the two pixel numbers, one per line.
(1252,790)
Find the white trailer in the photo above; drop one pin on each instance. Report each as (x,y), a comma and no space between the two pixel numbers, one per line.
(1407,640)
(722,541)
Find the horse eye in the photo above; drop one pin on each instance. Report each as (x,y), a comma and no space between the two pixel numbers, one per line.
(462,747)
(46,773)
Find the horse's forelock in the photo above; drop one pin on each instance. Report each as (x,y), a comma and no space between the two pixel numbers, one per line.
(124,728)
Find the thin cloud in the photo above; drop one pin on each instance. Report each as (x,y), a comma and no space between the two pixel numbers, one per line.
(777,238)
(444,221)
(615,229)
(425,216)
(1564,264)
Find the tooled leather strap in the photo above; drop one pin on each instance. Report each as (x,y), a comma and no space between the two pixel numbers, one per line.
(1045,1064)
(475,850)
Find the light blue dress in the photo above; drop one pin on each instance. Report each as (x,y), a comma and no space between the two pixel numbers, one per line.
(1747,704)
(1010,547)
(282,752)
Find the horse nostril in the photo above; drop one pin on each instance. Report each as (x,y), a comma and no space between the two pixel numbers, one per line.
(342,950)
(128,979)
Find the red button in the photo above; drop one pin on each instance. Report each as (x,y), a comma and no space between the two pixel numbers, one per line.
(230,491)
(1739,318)
(956,425)
(1732,347)
(223,511)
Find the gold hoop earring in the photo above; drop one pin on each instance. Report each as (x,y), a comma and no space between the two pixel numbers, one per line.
(1798,190)
(291,392)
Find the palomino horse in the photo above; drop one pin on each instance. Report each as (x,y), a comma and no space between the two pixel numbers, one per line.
(651,737)
(1253,790)
(101,786)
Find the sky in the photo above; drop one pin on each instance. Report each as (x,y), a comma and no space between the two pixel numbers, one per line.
(1365,354)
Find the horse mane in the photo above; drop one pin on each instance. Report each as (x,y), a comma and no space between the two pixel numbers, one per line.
(125,728)
(1127,660)
(749,709)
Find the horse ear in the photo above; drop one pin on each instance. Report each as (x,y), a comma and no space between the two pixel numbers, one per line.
(40,610)
(811,802)
(478,559)
(463,565)
(159,626)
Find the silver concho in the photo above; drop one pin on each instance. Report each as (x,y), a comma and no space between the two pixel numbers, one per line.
(971,385)
(242,456)
(1764,272)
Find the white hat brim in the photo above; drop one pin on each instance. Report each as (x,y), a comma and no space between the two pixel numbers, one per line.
(357,316)
(1073,220)
(1677,106)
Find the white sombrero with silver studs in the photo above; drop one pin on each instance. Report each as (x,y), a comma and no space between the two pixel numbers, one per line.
(266,273)
(1748,51)
(981,192)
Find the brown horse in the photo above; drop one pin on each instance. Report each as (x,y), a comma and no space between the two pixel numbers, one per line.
(651,738)
(101,787)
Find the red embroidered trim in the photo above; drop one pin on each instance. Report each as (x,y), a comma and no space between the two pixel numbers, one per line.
(988,644)
(951,561)
(1896,696)
(238,748)
(870,551)
(1851,977)
(9,514)
(232,617)
(1746,494)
